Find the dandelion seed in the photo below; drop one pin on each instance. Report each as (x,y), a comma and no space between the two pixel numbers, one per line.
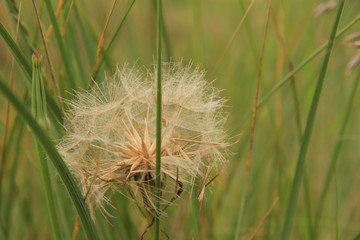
(111,135)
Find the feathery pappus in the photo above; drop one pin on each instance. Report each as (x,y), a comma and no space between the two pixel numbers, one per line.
(110,139)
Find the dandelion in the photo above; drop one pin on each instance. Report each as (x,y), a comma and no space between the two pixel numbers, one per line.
(110,140)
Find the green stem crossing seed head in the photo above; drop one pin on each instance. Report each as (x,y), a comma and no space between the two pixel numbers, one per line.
(111,134)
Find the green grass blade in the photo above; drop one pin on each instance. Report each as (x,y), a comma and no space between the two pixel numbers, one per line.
(20,58)
(48,191)
(87,39)
(299,67)
(26,67)
(308,130)
(112,41)
(335,154)
(65,57)
(15,11)
(15,137)
(56,159)
(38,109)
(165,35)
(336,208)
(195,211)
(158,114)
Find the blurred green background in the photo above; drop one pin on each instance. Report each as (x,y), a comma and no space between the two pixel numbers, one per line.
(199,31)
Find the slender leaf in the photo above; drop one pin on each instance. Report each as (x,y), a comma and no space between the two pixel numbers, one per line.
(56,159)
(65,57)
(296,69)
(308,131)
(335,154)
(112,41)
(158,113)
(26,67)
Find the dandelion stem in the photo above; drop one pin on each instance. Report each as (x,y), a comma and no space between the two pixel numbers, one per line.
(158,115)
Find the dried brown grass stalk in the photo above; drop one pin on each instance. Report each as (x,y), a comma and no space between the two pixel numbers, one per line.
(57,12)
(8,113)
(102,37)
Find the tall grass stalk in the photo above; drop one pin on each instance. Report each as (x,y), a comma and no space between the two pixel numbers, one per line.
(158,114)
(15,137)
(24,33)
(296,69)
(232,39)
(56,159)
(195,212)
(60,41)
(26,67)
(298,124)
(38,102)
(279,85)
(335,154)
(51,68)
(253,125)
(111,43)
(102,37)
(336,206)
(7,114)
(286,229)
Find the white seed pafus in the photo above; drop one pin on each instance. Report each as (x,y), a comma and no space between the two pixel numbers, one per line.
(111,134)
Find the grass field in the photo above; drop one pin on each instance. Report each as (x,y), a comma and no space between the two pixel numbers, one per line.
(287,69)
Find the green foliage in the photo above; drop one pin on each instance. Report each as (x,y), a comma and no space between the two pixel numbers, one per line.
(316,201)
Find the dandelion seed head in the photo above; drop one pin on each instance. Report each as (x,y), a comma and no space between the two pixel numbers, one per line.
(111,132)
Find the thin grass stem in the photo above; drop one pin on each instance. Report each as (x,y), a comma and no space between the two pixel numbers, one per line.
(286,229)
(26,67)
(48,191)
(65,57)
(102,37)
(335,155)
(252,131)
(7,114)
(111,43)
(158,114)
(51,68)
(56,159)
(296,69)
(232,39)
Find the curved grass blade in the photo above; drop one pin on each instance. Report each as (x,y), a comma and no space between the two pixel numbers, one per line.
(24,64)
(308,131)
(56,159)
(26,67)
(24,33)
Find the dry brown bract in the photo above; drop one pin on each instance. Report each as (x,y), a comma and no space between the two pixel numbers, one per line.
(111,133)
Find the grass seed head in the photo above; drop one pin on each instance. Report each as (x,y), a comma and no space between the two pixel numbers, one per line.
(111,134)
